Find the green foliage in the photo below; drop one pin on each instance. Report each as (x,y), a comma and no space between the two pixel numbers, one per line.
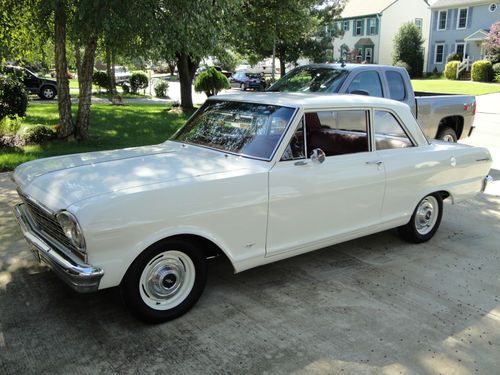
(161,89)
(138,81)
(450,71)
(101,79)
(13,97)
(211,82)
(228,59)
(408,47)
(482,71)
(402,64)
(492,43)
(36,134)
(453,57)
(496,70)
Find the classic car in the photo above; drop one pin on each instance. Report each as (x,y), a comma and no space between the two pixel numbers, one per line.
(252,177)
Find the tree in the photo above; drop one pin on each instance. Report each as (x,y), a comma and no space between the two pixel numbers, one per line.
(211,82)
(492,43)
(408,48)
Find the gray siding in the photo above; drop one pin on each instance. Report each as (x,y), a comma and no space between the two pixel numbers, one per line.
(479,17)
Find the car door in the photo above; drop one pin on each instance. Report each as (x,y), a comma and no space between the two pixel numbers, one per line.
(313,203)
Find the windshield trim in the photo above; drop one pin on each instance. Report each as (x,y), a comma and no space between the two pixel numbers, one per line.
(292,119)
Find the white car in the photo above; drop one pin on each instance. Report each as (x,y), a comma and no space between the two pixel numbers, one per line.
(252,177)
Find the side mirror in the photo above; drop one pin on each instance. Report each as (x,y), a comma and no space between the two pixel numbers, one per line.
(360,92)
(318,156)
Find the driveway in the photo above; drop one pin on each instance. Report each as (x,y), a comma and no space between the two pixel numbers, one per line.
(376,305)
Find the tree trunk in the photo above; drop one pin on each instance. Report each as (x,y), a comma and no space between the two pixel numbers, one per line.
(282,66)
(108,70)
(85,84)
(63,98)
(113,76)
(186,67)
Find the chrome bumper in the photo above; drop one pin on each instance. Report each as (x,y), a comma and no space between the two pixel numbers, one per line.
(487,180)
(81,277)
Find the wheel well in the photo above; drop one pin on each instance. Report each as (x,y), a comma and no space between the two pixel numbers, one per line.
(454,122)
(444,194)
(211,249)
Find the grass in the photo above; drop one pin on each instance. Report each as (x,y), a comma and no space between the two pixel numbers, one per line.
(455,87)
(111,127)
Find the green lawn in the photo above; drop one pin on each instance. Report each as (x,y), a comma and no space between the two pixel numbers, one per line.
(455,87)
(111,127)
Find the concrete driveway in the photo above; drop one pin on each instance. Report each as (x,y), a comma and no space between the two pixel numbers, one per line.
(376,305)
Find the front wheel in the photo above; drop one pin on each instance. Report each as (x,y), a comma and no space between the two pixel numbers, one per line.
(47,93)
(165,281)
(424,221)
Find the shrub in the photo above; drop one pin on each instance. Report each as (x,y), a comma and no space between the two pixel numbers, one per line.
(101,79)
(408,48)
(482,71)
(492,43)
(450,71)
(161,89)
(453,57)
(36,134)
(13,97)
(138,81)
(402,64)
(496,68)
(211,82)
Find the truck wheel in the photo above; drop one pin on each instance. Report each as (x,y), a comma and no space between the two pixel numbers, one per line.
(165,281)
(47,93)
(447,134)
(425,220)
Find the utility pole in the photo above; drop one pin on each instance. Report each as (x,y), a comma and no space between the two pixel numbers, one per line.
(274,57)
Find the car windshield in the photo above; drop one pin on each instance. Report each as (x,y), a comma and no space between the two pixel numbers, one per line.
(247,129)
(311,79)
(253,75)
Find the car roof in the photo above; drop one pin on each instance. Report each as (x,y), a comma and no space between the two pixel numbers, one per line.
(349,66)
(310,100)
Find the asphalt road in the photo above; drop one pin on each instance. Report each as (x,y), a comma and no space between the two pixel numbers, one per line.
(376,305)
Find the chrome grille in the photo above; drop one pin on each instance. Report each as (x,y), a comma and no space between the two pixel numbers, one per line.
(48,225)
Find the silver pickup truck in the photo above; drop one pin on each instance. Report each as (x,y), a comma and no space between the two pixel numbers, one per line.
(441,116)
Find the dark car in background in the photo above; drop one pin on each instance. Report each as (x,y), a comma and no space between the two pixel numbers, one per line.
(45,88)
(245,81)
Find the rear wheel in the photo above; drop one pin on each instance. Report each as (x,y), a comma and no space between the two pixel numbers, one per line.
(47,93)
(165,281)
(447,134)
(424,221)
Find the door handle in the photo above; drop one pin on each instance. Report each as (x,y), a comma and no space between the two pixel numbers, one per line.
(300,162)
(375,162)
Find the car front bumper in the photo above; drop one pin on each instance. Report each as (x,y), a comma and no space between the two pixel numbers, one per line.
(81,277)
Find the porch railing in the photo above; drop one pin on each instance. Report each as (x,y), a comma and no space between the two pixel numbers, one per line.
(464,65)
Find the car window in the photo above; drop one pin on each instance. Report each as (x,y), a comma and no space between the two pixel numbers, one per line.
(296,147)
(310,79)
(337,132)
(389,133)
(396,84)
(367,81)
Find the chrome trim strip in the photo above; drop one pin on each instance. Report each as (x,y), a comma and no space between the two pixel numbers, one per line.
(81,277)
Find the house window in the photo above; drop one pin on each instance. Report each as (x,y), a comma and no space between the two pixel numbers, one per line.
(372,26)
(492,7)
(346,25)
(460,49)
(439,54)
(418,23)
(463,14)
(443,15)
(359,27)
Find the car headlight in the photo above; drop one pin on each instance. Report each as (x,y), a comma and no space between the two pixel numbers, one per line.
(71,229)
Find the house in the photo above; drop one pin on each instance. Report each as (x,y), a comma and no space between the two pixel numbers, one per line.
(459,26)
(369,28)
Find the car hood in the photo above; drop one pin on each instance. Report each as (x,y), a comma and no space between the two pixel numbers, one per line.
(61,181)
(51,81)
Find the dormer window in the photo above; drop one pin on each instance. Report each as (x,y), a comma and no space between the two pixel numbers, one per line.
(443,15)
(463,14)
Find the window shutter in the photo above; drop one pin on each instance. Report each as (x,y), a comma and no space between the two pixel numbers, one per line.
(348,24)
(376,25)
(362,27)
(449,19)
(354,27)
(435,16)
(431,53)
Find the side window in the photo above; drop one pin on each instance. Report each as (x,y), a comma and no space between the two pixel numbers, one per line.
(396,84)
(296,148)
(337,132)
(367,81)
(388,132)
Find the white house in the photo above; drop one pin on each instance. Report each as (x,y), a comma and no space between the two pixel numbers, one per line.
(369,28)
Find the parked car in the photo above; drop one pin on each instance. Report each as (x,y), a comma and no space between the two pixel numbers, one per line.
(122,75)
(218,68)
(441,116)
(245,81)
(255,178)
(45,88)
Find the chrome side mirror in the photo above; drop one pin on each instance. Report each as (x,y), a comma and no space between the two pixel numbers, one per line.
(318,156)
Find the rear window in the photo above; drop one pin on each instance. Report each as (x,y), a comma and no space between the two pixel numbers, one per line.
(396,84)
(311,79)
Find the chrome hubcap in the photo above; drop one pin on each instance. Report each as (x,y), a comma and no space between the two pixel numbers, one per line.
(426,216)
(48,93)
(167,280)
